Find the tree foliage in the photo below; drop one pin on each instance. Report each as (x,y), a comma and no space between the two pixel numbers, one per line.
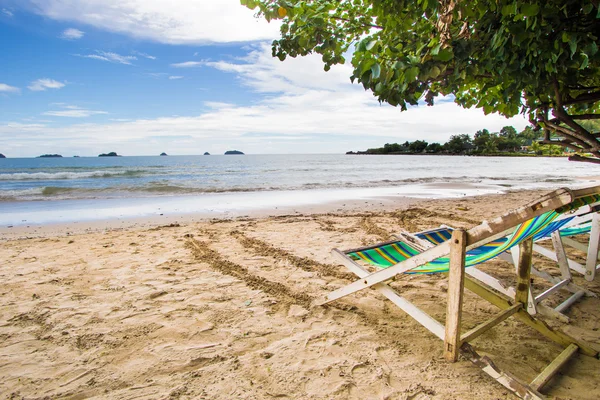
(484,142)
(535,57)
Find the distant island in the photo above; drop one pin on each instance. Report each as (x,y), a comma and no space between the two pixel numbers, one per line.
(50,156)
(206,153)
(233,152)
(2,155)
(111,154)
(163,154)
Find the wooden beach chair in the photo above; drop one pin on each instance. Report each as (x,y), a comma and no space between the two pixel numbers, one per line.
(466,248)
(578,222)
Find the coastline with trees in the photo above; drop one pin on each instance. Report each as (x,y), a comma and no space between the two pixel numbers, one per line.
(507,142)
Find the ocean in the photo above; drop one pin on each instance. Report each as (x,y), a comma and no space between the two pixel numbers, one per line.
(45,190)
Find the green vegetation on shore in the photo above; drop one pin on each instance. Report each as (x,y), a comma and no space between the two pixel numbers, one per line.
(507,142)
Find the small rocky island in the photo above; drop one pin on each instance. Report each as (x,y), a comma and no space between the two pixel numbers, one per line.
(233,152)
(2,155)
(111,154)
(206,153)
(50,156)
(163,154)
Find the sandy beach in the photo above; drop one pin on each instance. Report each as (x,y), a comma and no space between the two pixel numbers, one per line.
(190,307)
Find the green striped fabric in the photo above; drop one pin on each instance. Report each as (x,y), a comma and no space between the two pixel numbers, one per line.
(393,253)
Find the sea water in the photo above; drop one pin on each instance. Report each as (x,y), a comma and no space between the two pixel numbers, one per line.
(42,190)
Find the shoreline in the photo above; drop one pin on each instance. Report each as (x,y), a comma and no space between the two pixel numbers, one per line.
(221,205)
(365,206)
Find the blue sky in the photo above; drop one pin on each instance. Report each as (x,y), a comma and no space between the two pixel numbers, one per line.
(144,76)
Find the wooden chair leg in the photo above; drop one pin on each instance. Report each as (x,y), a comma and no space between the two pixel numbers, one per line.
(456,284)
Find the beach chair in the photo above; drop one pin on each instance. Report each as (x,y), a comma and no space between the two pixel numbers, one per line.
(577,222)
(469,248)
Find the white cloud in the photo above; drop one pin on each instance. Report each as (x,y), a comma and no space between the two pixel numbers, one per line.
(4,88)
(189,64)
(185,22)
(7,12)
(41,85)
(145,55)
(109,57)
(73,112)
(173,77)
(301,109)
(72,34)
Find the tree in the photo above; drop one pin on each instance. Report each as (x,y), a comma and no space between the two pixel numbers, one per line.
(418,146)
(535,57)
(458,144)
(434,147)
(508,132)
(481,138)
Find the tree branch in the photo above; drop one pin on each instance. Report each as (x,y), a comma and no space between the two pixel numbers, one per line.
(583,98)
(349,20)
(559,112)
(577,157)
(585,116)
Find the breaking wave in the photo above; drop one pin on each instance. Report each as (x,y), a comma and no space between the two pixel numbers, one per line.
(64,175)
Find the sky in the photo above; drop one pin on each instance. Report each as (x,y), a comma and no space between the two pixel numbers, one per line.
(141,77)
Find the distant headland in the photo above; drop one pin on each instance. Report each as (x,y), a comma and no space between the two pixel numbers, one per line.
(2,155)
(507,142)
(206,153)
(50,156)
(111,154)
(233,152)
(163,154)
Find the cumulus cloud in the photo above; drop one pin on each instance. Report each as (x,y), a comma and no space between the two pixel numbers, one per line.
(72,34)
(41,85)
(299,108)
(4,88)
(73,112)
(109,57)
(189,22)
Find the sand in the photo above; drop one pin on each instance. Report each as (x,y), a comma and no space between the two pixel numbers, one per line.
(220,309)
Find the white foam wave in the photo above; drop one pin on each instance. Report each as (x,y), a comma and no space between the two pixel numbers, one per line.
(63,175)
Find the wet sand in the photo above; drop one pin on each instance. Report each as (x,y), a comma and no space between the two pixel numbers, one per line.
(220,309)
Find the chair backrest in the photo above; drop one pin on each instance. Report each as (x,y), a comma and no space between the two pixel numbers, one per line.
(391,253)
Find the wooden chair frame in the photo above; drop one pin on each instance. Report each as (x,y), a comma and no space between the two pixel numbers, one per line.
(454,341)
(565,282)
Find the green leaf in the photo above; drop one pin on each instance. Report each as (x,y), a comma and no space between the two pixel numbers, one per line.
(530,10)
(370,44)
(445,55)
(411,74)
(375,71)
(585,62)
(573,45)
(588,8)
